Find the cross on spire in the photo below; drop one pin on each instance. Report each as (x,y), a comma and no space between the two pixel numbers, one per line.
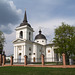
(40,30)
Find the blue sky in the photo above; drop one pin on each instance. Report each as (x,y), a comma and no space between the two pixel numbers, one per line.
(44,14)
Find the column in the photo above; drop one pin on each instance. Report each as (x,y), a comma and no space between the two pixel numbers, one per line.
(16,54)
(35,51)
(11,62)
(25,60)
(64,62)
(22,56)
(26,35)
(24,50)
(53,54)
(42,57)
(3,60)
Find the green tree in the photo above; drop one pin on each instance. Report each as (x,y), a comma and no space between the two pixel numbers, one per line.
(65,40)
(2,40)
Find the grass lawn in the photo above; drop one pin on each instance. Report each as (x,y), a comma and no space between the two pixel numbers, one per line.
(36,71)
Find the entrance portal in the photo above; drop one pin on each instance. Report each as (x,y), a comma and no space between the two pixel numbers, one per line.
(19,58)
(34,59)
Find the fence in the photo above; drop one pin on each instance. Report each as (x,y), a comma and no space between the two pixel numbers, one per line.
(37,61)
(7,61)
(34,61)
(18,61)
(53,61)
(71,61)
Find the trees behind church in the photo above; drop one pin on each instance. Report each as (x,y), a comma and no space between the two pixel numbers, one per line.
(2,40)
(65,40)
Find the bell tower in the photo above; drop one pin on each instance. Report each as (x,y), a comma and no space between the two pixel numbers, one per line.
(24,31)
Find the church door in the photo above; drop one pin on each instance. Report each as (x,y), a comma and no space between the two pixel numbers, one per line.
(19,58)
(34,59)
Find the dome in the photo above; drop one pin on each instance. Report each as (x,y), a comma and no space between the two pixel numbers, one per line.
(40,36)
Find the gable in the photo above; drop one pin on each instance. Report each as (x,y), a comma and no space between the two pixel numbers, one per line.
(19,41)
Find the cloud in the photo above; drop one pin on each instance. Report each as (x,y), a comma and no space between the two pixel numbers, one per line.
(49,9)
(47,14)
(9,14)
(8,47)
(49,26)
(6,29)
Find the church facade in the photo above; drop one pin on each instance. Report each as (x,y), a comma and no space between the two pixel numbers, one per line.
(25,45)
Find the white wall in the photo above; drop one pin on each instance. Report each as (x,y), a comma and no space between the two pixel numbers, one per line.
(17,51)
(49,55)
(27,49)
(34,50)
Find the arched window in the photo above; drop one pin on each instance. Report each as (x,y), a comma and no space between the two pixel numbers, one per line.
(29,48)
(29,35)
(21,34)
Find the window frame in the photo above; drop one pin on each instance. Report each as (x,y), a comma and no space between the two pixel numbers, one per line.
(21,34)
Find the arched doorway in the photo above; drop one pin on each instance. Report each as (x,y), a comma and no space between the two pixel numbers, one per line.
(19,57)
(34,59)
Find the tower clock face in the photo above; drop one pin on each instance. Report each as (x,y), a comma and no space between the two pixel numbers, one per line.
(19,47)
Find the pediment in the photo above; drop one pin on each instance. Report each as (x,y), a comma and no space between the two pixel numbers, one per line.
(19,40)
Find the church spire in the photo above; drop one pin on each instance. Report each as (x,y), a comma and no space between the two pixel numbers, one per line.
(25,17)
(25,22)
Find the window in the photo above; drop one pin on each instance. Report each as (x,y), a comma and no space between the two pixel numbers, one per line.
(29,48)
(21,34)
(34,53)
(42,41)
(29,35)
(19,53)
(48,51)
(19,47)
(40,50)
(33,59)
(29,53)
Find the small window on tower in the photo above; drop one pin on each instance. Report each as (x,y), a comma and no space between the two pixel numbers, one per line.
(21,34)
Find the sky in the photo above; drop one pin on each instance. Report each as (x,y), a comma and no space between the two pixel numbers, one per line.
(44,14)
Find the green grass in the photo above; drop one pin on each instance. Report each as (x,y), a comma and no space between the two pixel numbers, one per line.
(36,71)
(54,63)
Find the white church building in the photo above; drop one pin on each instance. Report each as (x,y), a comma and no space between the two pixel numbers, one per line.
(24,44)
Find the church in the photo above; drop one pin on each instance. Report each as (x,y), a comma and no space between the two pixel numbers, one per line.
(24,44)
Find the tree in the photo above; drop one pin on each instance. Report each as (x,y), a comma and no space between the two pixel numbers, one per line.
(2,40)
(65,40)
